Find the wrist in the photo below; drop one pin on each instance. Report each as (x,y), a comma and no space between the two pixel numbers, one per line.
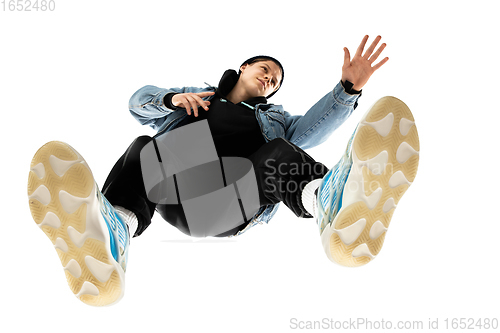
(167,101)
(350,88)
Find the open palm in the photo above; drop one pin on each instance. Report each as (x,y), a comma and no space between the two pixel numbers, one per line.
(359,69)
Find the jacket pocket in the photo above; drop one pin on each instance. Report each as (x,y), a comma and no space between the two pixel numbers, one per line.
(276,117)
(277,124)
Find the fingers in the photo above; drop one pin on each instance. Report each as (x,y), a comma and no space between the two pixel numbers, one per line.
(193,104)
(191,101)
(376,54)
(202,103)
(347,57)
(368,54)
(195,101)
(205,94)
(369,51)
(361,46)
(383,61)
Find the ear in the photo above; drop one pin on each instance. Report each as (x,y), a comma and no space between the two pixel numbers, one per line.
(242,68)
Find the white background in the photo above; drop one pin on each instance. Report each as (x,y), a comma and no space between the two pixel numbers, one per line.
(68,75)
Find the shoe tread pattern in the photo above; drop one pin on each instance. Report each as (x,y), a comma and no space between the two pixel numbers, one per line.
(367,144)
(77,181)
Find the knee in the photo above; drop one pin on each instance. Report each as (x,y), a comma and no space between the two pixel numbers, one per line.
(140,142)
(144,138)
(134,150)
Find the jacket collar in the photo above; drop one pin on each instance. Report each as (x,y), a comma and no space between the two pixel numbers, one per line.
(227,83)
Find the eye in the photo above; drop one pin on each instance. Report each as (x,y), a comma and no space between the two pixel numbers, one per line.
(264,68)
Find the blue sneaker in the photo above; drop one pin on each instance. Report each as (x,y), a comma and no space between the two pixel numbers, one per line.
(357,197)
(91,240)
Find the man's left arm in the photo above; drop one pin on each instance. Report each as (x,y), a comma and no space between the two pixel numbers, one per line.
(335,107)
(324,117)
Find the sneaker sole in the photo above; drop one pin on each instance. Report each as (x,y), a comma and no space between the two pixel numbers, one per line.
(64,204)
(385,155)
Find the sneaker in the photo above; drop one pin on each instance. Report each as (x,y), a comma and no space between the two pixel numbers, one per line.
(358,196)
(91,240)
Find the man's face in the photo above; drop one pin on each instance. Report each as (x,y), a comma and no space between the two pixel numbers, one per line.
(260,78)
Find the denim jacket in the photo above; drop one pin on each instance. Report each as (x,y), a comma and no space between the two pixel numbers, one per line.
(305,131)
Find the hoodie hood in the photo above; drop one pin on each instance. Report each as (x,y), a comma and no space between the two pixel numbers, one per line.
(227,83)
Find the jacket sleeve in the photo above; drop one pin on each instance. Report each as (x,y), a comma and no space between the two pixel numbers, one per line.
(147,104)
(319,122)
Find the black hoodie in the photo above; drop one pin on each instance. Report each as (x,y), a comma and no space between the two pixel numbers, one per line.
(234,127)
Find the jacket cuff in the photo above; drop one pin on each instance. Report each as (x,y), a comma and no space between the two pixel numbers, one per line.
(348,88)
(167,101)
(157,99)
(346,95)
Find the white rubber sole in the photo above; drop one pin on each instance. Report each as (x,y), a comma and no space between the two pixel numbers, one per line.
(385,155)
(64,204)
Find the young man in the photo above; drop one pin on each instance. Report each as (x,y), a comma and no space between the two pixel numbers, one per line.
(352,203)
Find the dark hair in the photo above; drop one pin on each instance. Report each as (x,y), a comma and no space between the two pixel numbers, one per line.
(266,58)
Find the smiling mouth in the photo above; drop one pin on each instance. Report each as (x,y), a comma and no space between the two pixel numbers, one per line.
(263,85)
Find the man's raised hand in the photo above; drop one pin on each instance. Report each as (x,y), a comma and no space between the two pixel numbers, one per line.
(359,69)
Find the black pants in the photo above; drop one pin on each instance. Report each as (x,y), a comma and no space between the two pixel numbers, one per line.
(282,170)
